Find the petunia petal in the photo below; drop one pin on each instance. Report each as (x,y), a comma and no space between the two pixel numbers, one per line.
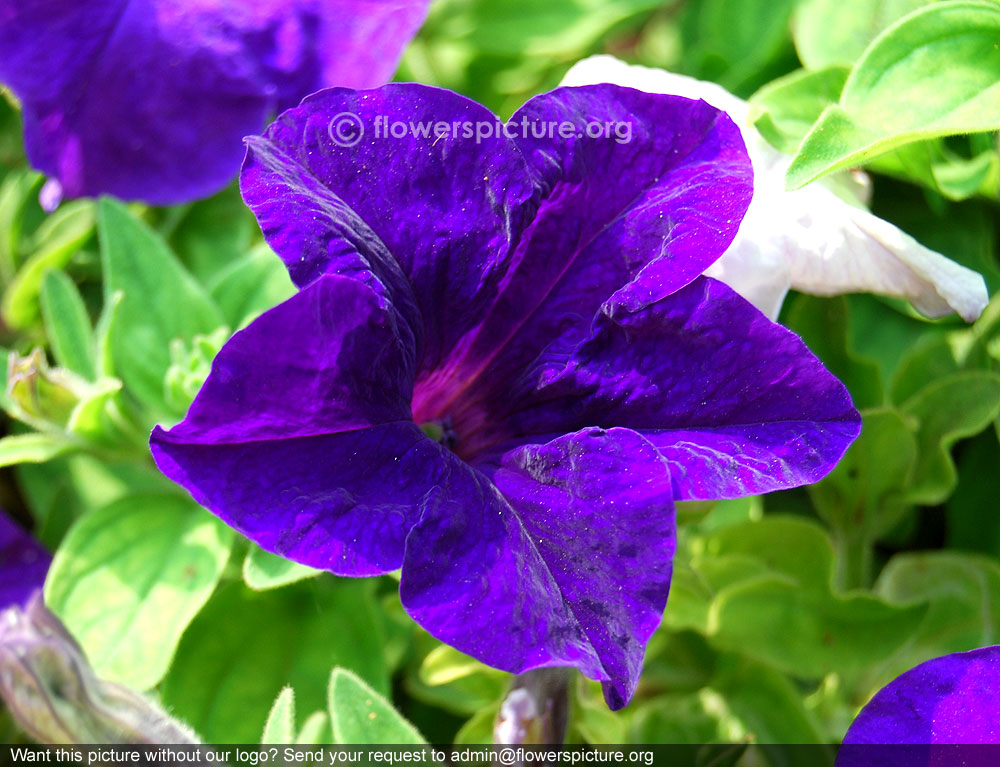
(329,359)
(849,250)
(287,440)
(947,700)
(809,239)
(423,216)
(735,403)
(341,502)
(23,563)
(149,99)
(681,185)
(576,568)
(661,201)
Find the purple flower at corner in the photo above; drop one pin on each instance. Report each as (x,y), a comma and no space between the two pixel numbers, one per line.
(502,366)
(150,99)
(952,700)
(23,563)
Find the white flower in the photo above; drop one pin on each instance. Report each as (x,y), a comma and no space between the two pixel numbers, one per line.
(809,239)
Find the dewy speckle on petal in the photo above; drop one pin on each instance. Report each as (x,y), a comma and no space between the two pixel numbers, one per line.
(502,368)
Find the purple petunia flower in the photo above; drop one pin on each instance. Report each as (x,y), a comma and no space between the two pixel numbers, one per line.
(149,99)
(23,563)
(944,701)
(502,367)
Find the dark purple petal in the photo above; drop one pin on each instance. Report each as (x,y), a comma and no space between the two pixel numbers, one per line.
(621,223)
(301,437)
(947,700)
(735,403)
(23,563)
(149,99)
(329,359)
(573,569)
(340,502)
(449,224)
(430,221)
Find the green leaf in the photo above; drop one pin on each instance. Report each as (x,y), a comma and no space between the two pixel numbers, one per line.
(769,586)
(865,495)
(901,92)
(454,681)
(964,594)
(949,409)
(766,702)
(214,233)
(263,570)
(57,241)
(130,576)
(973,524)
(61,490)
(736,43)
(104,333)
(678,661)
(478,729)
(685,719)
(362,716)
(881,331)
(553,28)
(592,722)
(932,358)
(251,285)
(827,33)
(824,325)
(36,447)
(934,165)
(771,618)
(67,324)
(16,193)
(316,730)
(280,727)
(785,109)
(501,52)
(245,646)
(154,285)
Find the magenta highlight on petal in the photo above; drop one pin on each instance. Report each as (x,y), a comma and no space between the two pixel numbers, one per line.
(502,367)
(150,99)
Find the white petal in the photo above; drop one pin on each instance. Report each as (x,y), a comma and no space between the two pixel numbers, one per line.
(810,238)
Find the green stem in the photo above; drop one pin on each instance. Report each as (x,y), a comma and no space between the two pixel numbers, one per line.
(855,554)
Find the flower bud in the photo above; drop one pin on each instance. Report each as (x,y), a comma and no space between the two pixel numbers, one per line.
(53,693)
(40,394)
(190,365)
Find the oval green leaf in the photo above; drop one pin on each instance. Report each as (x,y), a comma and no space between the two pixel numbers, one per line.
(934,73)
(130,576)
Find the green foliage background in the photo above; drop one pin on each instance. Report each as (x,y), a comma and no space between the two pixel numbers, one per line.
(786,612)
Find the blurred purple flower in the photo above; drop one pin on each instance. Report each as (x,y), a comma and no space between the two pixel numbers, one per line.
(952,700)
(149,99)
(23,563)
(502,367)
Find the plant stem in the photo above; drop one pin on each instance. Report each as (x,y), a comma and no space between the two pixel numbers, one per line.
(535,710)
